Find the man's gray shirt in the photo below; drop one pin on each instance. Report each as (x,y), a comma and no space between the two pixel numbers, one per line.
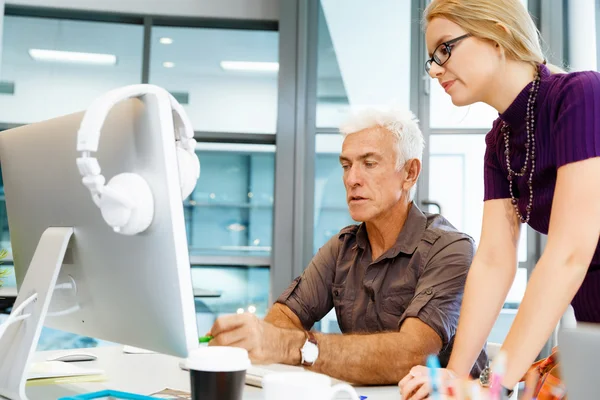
(422,276)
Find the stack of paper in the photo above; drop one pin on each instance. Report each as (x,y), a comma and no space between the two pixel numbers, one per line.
(59,369)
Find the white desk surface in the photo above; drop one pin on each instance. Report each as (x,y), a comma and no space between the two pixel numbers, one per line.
(150,373)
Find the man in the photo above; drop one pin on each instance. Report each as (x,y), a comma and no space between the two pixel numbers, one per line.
(396,280)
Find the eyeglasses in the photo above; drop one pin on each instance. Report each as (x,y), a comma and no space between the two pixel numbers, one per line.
(442,53)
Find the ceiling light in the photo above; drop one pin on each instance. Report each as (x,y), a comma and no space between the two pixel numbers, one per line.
(72,57)
(168,64)
(166,40)
(250,66)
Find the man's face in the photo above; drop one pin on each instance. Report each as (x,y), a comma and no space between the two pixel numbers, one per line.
(373,184)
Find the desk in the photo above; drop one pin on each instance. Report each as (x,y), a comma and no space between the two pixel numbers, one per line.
(150,373)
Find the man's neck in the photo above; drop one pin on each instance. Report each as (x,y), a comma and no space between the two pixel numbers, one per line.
(384,230)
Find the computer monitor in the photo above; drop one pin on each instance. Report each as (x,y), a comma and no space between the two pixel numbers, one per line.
(579,352)
(133,290)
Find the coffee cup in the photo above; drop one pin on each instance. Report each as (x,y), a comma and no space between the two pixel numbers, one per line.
(217,372)
(303,386)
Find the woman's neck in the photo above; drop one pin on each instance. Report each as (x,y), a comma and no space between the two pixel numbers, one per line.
(510,82)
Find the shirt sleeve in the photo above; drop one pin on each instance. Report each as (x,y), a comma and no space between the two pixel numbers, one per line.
(494,177)
(577,127)
(440,287)
(309,296)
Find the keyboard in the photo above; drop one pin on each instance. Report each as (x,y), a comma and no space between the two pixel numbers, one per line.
(256,373)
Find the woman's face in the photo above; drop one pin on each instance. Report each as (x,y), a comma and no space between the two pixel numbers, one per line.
(468,73)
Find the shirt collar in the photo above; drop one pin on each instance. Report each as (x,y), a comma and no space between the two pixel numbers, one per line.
(515,114)
(408,238)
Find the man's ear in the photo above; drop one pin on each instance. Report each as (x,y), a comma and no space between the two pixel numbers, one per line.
(413,170)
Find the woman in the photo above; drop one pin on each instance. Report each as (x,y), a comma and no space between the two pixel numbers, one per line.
(542,167)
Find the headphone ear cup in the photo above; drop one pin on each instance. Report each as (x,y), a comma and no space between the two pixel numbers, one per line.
(189,171)
(128,221)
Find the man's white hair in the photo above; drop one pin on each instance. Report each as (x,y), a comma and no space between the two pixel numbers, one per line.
(400,122)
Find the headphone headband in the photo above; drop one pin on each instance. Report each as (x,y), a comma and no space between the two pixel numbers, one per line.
(92,122)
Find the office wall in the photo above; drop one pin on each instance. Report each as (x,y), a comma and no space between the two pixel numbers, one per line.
(236,9)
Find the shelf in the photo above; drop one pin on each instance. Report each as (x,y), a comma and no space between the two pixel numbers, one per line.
(11,292)
(198,261)
(249,260)
(210,204)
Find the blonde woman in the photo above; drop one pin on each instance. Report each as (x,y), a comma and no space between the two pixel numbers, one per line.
(542,168)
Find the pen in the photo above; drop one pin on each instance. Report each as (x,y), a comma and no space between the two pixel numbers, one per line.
(205,339)
(433,363)
(498,370)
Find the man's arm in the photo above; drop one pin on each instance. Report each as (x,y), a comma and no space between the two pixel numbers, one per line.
(369,359)
(282,316)
(379,358)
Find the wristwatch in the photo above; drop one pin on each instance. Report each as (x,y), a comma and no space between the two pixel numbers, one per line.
(485,381)
(310,350)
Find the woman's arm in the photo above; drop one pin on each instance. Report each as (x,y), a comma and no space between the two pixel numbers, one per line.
(489,280)
(572,239)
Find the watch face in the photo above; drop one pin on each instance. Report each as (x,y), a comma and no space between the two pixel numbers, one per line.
(310,352)
(484,378)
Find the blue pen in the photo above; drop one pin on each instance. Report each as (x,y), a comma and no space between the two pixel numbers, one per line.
(433,363)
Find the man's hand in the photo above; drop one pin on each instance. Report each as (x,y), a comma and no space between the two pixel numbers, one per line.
(266,344)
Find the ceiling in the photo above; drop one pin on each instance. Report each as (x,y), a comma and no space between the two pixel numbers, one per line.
(194,51)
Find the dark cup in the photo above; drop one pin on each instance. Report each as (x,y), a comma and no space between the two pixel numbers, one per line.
(217,373)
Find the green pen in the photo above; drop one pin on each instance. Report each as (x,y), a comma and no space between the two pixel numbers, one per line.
(205,339)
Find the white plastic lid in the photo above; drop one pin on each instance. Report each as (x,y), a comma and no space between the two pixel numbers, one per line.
(218,359)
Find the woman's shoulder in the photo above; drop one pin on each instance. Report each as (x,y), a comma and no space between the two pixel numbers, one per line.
(491,138)
(574,85)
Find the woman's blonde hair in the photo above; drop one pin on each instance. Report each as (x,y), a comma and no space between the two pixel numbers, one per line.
(505,22)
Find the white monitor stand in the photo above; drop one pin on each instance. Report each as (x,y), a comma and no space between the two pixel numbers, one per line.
(19,335)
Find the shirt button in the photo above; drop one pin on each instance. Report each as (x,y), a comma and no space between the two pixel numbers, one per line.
(428,291)
(336,293)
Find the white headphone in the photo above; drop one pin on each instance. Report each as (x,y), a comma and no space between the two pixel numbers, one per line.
(126,201)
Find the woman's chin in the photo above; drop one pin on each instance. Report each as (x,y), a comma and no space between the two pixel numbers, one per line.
(460,101)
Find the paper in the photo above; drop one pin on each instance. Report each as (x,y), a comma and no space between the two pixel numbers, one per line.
(69,380)
(171,394)
(59,369)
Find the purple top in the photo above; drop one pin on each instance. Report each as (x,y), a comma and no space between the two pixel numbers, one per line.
(567,118)
(567,130)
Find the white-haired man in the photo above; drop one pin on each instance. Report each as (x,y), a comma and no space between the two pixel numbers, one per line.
(396,280)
